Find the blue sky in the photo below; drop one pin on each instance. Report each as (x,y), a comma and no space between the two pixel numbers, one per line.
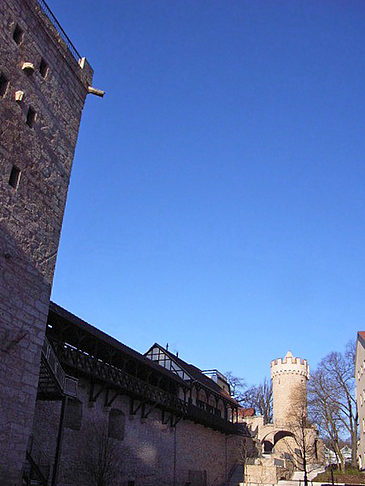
(217,196)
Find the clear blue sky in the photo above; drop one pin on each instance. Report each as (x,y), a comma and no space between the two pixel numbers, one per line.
(217,200)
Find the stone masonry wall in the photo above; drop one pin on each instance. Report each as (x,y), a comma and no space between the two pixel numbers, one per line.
(151,453)
(289,381)
(30,214)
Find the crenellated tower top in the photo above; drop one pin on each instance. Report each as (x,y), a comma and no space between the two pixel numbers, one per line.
(289,364)
(289,383)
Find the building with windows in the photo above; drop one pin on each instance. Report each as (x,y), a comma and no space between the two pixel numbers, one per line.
(157,419)
(360,395)
(73,400)
(78,407)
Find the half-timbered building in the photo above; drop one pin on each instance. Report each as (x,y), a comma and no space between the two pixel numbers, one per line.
(104,408)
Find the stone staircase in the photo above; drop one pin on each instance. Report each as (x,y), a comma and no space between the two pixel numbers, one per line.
(53,384)
(297,478)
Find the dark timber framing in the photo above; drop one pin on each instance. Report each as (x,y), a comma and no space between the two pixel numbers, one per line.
(114,369)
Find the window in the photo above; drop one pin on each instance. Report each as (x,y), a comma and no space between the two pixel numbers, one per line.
(43,68)
(14,177)
(3,84)
(31,115)
(73,414)
(18,34)
(116,424)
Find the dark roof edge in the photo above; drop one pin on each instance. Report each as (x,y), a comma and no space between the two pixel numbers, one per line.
(97,333)
(361,337)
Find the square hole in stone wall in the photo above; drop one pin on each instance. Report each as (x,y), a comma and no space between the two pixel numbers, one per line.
(43,68)
(14,177)
(3,84)
(18,34)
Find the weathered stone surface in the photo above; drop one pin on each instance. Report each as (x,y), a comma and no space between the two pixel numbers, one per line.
(31,215)
(289,383)
(152,454)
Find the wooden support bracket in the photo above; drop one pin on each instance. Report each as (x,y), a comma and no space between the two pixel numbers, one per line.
(133,409)
(110,397)
(175,420)
(94,393)
(166,417)
(147,410)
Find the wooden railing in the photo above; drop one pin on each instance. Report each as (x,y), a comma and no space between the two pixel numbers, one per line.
(67,385)
(134,387)
(115,377)
(54,364)
(212,420)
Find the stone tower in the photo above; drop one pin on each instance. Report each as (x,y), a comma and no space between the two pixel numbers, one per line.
(289,380)
(43,86)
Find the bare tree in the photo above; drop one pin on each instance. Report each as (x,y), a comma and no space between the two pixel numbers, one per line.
(325,412)
(332,399)
(100,463)
(301,443)
(259,397)
(249,452)
(236,384)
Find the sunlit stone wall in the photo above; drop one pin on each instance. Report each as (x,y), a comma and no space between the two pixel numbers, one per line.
(149,452)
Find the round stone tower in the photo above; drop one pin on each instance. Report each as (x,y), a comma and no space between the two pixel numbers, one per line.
(289,382)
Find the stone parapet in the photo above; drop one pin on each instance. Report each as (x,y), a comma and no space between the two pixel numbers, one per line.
(289,364)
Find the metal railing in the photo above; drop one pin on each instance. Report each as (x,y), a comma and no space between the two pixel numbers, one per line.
(59,28)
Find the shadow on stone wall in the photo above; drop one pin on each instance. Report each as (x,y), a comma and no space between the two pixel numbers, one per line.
(24,300)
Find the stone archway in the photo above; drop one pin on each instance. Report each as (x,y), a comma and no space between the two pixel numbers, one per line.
(284,442)
(281,434)
(272,437)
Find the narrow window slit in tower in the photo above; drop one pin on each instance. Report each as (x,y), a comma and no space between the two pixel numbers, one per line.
(3,85)
(14,177)
(43,68)
(31,116)
(18,34)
